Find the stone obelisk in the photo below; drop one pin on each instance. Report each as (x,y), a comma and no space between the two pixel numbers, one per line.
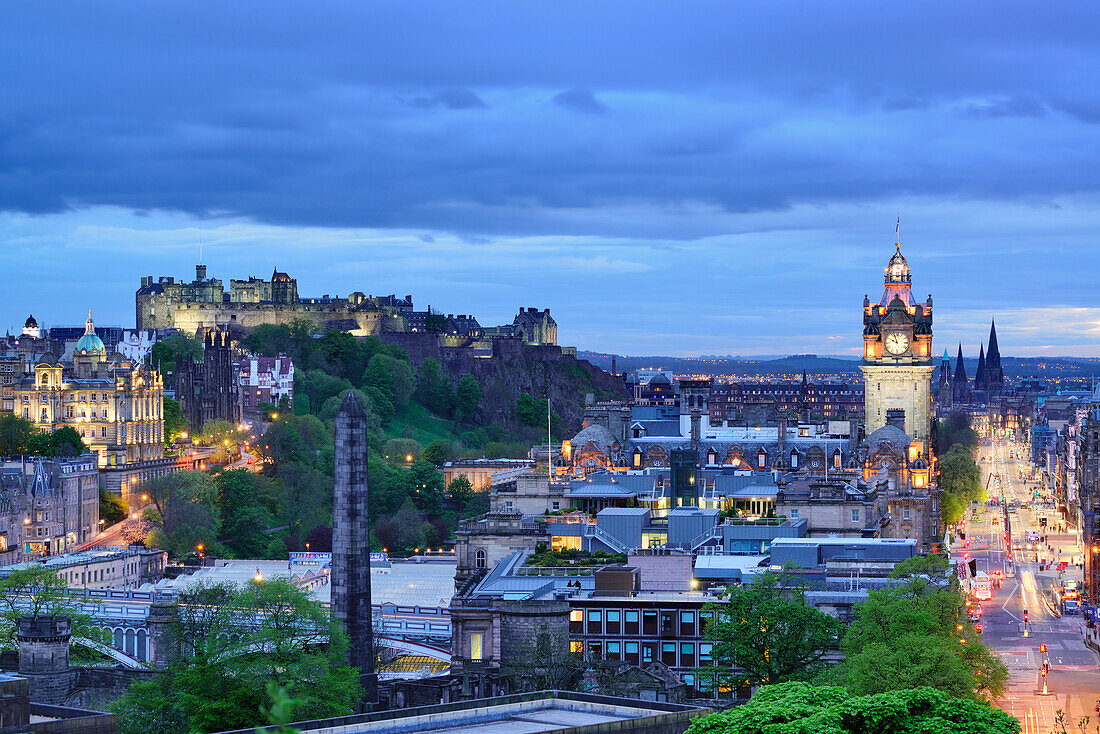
(351,541)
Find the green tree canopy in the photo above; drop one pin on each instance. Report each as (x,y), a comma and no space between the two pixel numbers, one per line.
(961,482)
(112,508)
(916,634)
(766,633)
(174,422)
(229,644)
(14,432)
(37,591)
(802,708)
(166,353)
(467,398)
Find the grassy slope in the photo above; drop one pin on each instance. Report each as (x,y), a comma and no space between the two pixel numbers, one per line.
(418,423)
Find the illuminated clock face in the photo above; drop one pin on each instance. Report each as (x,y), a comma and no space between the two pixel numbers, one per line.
(897,343)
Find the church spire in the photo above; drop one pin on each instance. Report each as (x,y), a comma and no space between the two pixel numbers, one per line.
(994,373)
(960,368)
(980,376)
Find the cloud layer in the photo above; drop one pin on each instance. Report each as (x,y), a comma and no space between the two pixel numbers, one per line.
(671,177)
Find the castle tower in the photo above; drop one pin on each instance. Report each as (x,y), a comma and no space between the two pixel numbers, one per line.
(897,354)
(960,383)
(994,375)
(351,598)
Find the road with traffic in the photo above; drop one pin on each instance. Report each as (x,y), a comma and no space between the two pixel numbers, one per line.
(1023,621)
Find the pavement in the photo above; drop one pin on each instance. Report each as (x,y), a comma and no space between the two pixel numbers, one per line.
(1073,679)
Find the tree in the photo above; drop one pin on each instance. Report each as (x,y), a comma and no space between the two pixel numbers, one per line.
(392,376)
(544,663)
(531,411)
(14,432)
(915,633)
(65,441)
(36,591)
(438,452)
(186,509)
(467,398)
(801,707)
(960,480)
(270,340)
(237,641)
(112,508)
(167,353)
(767,633)
(433,389)
(174,422)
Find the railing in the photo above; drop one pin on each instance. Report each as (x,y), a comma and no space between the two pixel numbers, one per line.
(556,571)
(707,535)
(594,531)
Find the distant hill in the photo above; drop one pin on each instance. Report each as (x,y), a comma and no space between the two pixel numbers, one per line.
(791,367)
(781,368)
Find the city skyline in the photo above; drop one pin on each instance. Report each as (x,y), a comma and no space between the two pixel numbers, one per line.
(681,181)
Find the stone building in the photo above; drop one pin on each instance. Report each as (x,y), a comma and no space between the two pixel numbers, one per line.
(264,380)
(205,302)
(842,508)
(114,404)
(47,505)
(208,390)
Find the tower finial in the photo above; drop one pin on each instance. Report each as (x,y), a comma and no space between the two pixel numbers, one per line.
(897,233)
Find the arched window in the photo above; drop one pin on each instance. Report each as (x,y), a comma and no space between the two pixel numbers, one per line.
(45,378)
(130,642)
(761,458)
(142,651)
(711,456)
(479,558)
(794,459)
(118,639)
(836,458)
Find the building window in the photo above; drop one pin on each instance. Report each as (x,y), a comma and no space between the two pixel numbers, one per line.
(613,620)
(595,621)
(855,515)
(647,653)
(576,646)
(630,652)
(630,622)
(668,654)
(475,646)
(687,654)
(555,505)
(479,558)
(905,513)
(794,459)
(612,650)
(704,652)
(649,623)
(595,650)
(794,514)
(687,623)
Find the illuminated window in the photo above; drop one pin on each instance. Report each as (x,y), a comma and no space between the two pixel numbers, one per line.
(475,646)
(576,615)
(576,646)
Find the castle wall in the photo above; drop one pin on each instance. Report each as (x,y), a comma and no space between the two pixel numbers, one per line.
(159,310)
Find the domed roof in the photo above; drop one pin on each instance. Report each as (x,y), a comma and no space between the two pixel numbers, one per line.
(596,434)
(89,342)
(897,271)
(660,379)
(30,322)
(892,436)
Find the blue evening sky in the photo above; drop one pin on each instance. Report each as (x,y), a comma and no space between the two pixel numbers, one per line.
(669,178)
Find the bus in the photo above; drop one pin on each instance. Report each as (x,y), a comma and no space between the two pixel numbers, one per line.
(982,586)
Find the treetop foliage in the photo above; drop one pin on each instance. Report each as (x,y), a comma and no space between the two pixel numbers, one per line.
(802,708)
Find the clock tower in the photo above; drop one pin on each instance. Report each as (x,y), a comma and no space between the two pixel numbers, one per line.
(897,355)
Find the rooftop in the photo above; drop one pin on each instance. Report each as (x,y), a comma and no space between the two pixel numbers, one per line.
(529,713)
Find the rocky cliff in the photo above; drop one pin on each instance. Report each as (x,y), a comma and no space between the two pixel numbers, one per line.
(514,368)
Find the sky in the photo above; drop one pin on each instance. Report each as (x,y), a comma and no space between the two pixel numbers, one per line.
(668,178)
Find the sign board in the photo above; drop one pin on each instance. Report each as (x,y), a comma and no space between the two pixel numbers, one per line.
(305,563)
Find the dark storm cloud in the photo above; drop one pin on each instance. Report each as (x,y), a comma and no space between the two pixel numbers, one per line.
(295,116)
(455,99)
(581,100)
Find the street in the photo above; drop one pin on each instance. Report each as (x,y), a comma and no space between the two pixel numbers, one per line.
(1073,679)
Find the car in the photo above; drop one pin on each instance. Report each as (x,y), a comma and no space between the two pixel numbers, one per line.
(1015,546)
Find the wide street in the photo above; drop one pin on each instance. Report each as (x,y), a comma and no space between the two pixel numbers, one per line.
(1073,679)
